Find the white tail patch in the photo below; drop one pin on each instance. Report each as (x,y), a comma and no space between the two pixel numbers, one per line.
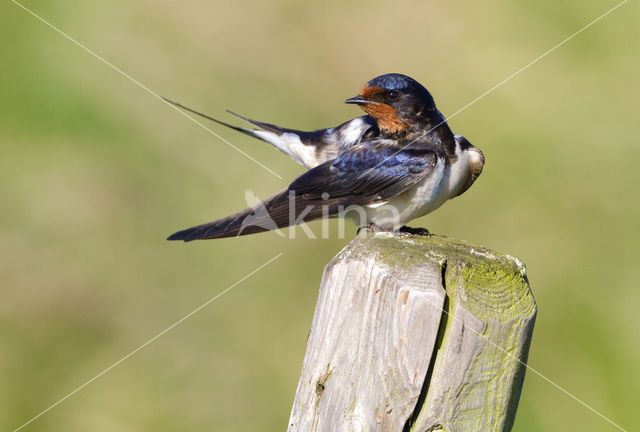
(290,144)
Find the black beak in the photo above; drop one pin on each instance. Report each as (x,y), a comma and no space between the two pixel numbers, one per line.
(359,100)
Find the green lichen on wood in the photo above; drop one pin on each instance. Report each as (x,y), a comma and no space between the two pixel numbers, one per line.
(496,282)
(321,383)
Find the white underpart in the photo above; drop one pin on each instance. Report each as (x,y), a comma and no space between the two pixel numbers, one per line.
(291,145)
(442,183)
(377,204)
(353,132)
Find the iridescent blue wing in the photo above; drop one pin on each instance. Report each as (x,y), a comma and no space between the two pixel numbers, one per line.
(376,170)
(372,172)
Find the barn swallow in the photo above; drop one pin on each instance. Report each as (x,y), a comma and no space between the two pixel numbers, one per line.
(398,162)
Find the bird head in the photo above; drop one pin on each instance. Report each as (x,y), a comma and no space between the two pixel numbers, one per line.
(397,102)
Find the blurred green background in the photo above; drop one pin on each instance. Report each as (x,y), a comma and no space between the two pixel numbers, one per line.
(95,173)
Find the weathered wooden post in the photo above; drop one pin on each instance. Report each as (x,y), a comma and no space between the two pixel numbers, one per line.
(416,334)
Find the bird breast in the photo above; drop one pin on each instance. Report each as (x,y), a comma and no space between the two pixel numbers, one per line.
(448,179)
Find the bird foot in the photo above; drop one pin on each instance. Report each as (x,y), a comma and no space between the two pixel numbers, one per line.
(414,231)
(371,227)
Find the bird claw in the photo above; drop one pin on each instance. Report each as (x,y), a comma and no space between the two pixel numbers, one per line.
(415,231)
(371,228)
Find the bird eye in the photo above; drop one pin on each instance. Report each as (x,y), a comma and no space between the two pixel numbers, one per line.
(393,95)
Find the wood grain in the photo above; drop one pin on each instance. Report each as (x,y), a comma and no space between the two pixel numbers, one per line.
(415,334)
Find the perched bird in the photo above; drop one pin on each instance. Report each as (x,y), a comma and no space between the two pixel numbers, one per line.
(398,162)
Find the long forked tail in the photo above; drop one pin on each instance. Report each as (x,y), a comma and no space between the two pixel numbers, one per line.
(264,128)
(279,211)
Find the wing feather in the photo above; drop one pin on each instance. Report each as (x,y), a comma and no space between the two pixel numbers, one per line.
(377,170)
